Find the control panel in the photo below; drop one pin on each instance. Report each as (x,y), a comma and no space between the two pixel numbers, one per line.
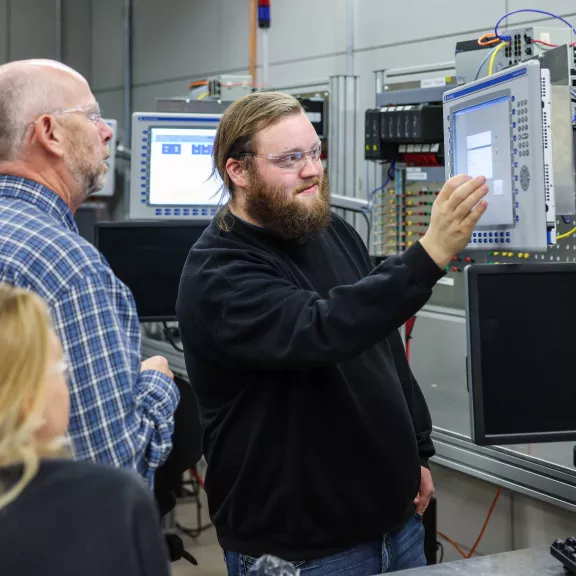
(401,211)
(172,175)
(494,128)
(401,215)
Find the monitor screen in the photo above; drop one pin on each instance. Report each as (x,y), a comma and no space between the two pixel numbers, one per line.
(482,147)
(521,346)
(181,167)
(149,257)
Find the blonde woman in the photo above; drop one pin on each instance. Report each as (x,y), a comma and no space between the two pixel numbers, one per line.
(57,515)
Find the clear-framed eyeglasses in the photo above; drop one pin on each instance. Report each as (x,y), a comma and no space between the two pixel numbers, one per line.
(92,112)
(291,160)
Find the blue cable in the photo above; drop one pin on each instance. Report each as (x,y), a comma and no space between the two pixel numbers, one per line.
(509,38)
(390,174)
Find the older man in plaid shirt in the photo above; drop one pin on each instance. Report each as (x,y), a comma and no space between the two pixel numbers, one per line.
(53,146)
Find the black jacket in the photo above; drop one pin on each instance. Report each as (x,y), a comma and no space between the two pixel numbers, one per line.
(314,427)
(81,518)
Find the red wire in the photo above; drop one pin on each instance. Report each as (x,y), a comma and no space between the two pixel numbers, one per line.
(550,45)
(197,476)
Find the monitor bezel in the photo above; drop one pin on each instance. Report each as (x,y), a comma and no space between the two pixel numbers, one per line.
(472,274)
(147,224)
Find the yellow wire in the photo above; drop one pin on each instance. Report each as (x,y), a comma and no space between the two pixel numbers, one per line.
(493,57)
(202,96)
(566,235)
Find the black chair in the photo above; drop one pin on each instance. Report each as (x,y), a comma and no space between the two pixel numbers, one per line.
(185,454)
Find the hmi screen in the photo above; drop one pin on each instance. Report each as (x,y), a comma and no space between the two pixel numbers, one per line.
(482,147)
(181,167)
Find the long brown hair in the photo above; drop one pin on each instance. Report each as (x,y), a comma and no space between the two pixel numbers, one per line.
(238,126)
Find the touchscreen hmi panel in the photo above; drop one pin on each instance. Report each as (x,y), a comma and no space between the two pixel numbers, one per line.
(482,147)
(181,167)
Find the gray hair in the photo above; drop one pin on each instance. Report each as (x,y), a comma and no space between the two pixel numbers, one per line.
(28,89)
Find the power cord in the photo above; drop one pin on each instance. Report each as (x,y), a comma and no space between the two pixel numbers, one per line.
(475,547)
(486,58)
(440,547)
(170,335)
(493,57)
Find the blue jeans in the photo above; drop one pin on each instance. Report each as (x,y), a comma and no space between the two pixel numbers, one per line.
(396,551)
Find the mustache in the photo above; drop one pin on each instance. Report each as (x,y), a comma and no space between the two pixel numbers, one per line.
(305,186)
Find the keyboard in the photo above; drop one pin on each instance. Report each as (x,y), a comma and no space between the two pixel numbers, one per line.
(565,552)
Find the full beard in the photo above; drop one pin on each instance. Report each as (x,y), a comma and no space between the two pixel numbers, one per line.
(279,211)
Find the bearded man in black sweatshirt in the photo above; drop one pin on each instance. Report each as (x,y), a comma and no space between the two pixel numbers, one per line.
(316,433)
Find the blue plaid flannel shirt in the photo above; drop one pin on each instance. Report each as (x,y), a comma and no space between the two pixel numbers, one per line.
(119,415)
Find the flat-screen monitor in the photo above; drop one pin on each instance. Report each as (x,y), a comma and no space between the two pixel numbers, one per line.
(148,256)
(521,351)
(495,127)
(172,167)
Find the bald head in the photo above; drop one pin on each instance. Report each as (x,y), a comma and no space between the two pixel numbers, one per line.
(28,89)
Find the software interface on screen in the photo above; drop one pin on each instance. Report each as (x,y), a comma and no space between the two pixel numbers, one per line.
(482,147)
(527,352)
(181,167)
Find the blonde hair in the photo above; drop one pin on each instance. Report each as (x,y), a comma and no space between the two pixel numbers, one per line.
(25,332)
(240,123)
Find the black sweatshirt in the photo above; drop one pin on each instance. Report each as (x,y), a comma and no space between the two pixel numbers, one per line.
(79,518)
(314,426)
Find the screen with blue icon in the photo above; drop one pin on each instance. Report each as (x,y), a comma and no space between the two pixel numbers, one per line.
(482,147)
(181,167)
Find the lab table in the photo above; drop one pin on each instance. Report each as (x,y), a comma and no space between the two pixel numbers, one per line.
(530,562)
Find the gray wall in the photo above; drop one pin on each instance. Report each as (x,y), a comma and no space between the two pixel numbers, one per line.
(28,30)
(176,41)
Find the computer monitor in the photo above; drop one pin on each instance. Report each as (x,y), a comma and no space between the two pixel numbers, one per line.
(148,256)
(499,127)
(171,173)
(521,350)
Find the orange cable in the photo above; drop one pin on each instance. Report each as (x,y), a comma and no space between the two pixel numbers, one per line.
(486,522)
(463,554)
(483,42)
(474,548)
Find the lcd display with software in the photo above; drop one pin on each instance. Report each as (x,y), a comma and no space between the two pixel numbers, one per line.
(181,167)
(521,352)
(482,147)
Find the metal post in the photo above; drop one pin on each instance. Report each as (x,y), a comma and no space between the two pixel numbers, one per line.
(343,104)
(128,7)
(59,28)
(350,38)
(8,28)
(265,65)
